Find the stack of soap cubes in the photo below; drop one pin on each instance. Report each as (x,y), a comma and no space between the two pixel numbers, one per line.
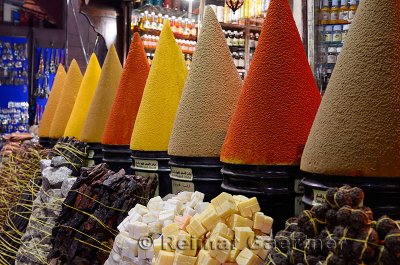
(134,243)
(183,230)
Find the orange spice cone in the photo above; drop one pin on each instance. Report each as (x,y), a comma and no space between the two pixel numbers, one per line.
(161,96)
(83,99)
(71,87)
(124,110)
(52,102)
(100,107)
(356,132)
(279,98)
(209,97)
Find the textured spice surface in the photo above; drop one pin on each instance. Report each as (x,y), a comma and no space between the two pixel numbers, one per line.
(99,110)
(124,110)
(66,104)
(279,98)
(83,99)
(209,97)
(52,102)
(161,96)
(357,129)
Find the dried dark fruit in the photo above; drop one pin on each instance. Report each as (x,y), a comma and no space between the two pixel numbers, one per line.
(342,198)
(278,257)
(392,242)
(365,250)
(357,196)
(360,219)
(291,225)
(330,197)
(310,224)
(282,241)
(343,215)
(298,240)
(319,211)
(331,218)
(384,225)
(334,260)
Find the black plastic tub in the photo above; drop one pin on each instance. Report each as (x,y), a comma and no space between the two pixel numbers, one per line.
(196,174)
(95,154)
(118,157)
(153,164)
(274,187)
(381,194)
(45,142)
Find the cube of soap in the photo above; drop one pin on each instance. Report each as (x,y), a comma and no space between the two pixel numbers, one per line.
(130,248)
(249,207)
(170,230)
(233,254)
(224,205)
(138,209)
(223,230)
(244,237)
(155,228)
(123,226)
(262,246)
(195,228)
(182,221)
(239,198)
(220,248)
(201,207)
(184,196)
(239,221)
(247,257)
(186,244)
(149,218)
(209,218)
(204,258)
(195,199)
(167,215)
(165,258)
(189,211)
(263,223)
(138,230)
(184,260)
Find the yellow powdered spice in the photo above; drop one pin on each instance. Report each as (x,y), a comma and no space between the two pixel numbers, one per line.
(161,96)
(52,102)
(66,104)
(84,98)
(100,107)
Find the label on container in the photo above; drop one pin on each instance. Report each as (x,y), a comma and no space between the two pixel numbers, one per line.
(352,14)
(298,205)
(331,58)
(328,36)
(337,37)
(325,16)
(344,15)
(90,154)
(146,164)
(298,186)
(334,16)
(90,162)
(179,186)
(180,173)
(319,197)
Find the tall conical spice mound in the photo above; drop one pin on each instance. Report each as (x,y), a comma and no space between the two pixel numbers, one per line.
(157,111)
(357,129)
(124,110)
(209,98)
(161,96)
(52,102)
(69,93)
(279,98)
(103,98)
(83,99)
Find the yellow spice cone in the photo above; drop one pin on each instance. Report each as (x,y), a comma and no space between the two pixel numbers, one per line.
(357,128)
(64,108)
(100,107)
(161,96)
(52,102)
(84,98)
(209,98)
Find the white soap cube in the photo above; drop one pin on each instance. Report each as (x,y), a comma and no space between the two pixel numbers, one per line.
(138,230)
(149,218)
(201,206)
(167,215)
(189,211)
(123,226)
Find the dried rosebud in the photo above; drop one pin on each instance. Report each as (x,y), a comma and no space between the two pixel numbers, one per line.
(359,219)
(384,225)
(357,196)
(343,215)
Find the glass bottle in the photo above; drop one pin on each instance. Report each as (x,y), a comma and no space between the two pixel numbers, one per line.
(343,12)
(334,18)
(186,29)
(353,10)
(146,21)
(180,27)
(160,22)
(228,38)
(257,36)
(328,35)
(345,32)
(153,19)
(193,31)
(337,33)
(325,13)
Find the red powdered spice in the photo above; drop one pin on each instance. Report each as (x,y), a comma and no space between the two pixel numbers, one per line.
(122,118)
(279,99)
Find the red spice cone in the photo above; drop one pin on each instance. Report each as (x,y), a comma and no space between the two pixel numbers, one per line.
(279,99)
(123,114)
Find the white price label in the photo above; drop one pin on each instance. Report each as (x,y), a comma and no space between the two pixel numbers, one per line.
(146,164)
(179,186)
(180,173)
(319,197)
(90,154)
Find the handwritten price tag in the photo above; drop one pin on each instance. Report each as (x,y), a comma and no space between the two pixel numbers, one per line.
(179,173)
(319,197)
(178,186)
(146,164)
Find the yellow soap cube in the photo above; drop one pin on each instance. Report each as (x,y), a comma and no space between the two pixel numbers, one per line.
(224,205)
(247,257)
(239,221)
(262,246)
(170,230)
(195,228)
(165,258)
(244,237)
(233,254)
(220,248)
(223,230)
(184,260)
(204,258)
(209,218)
(186,244)
(263,223)
(249,207)
(239,198)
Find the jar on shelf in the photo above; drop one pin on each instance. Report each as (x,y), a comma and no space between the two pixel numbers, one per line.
(328,34)
(343,12)
(325,12)
(228,38)
(345,32)
(332,55)
(337,33)
(241,60)
(338,51)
